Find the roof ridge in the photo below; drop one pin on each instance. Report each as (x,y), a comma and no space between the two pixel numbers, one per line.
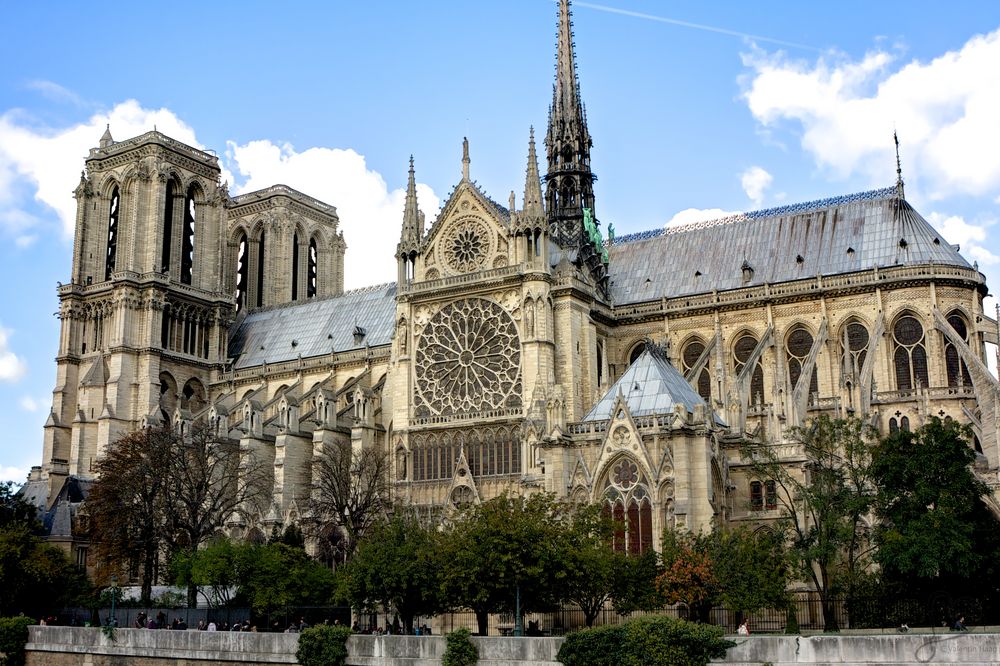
(322,299)
(795,208)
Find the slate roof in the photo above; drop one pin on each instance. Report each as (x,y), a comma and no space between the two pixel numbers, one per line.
(316,326)
(650,386)
(779,244)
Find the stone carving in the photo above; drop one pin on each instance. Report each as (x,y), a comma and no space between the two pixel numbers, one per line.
(466,245)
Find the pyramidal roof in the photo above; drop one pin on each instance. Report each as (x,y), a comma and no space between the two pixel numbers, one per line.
(651,385)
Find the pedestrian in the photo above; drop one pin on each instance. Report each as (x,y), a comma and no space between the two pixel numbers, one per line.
(744,629)
(211,626)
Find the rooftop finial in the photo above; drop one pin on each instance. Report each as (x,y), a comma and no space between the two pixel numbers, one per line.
(899,168)
(465,158)
(106,140)
(532,182)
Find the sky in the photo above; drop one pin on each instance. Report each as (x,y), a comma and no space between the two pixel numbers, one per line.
(697,110)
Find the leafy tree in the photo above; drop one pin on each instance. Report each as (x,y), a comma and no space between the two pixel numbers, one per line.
(934,529)
(14,509)
(823,501)
(35,577)
(635,583)
(350,491)
(591,562)
(501,546)
(688,576)
(752,568)
(395,565)
(126,505)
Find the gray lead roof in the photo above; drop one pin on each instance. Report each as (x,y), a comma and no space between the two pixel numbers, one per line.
(842,235)
(650,386)
(316,327)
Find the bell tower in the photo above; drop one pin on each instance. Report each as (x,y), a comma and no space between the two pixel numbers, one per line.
(144,316)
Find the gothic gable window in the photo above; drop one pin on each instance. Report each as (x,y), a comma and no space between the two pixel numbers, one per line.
(313,272)
(798,346)
(742,351)
(958,372)
(187,245)
(628,502)
(909,357)
(112,253)
(689,357)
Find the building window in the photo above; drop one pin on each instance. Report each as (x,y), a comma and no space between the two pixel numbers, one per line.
(242,270)
(689,358)
(909,357)
(112,253)
(168,229)
(855,348)
(81,558)
(295,267)
(770,495)
(636,352)
(904,424)
(313,269)
(260,269)
(187,247)
(893,426)
(742,351)
(632,513)
(756,496)
(958,372)
(798,345)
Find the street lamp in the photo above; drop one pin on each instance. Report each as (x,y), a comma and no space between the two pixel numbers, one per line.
(114,595)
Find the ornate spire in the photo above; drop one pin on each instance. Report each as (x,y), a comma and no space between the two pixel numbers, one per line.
(412,225)
(106,140)
(566,92)
(533,206)
(465,158)
(899,168)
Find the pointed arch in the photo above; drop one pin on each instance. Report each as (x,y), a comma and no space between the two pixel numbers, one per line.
(111,252)
(312,269)
(192,199)
(744,344)
(956,370)
(798,344)
(691,352)
(909,357)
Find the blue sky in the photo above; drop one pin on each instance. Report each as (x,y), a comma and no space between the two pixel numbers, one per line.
(697,109)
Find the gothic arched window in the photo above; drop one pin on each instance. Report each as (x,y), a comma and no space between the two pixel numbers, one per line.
(242,270)
(168,229)
(636,352)
(187,246)
(295,267)
(798,345)
(909,357)
(957,371)
(756,496)
(628,502)
(855,348)
(742,351)
(112,253)
(689,357)
(313,275)
(260,269)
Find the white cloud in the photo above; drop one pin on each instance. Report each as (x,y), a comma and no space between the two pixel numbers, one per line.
(692,215)
(15,474)
(12,367)
(55,92)
(944,110)
(48,161)
(29,404)
(755,181)
(370,214)
(956,230)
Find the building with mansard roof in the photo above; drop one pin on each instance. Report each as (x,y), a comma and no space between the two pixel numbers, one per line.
(521,348)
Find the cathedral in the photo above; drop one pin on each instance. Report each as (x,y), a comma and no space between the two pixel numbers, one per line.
(522,348)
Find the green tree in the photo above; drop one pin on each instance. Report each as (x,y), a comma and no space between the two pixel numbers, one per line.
(635,583)
(396,565)
(688,575)
(934,530)
(35,578)
(14,509)
(591,561)
(496,548)
(824,491)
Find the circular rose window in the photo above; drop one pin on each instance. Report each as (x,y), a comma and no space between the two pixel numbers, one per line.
(466,246)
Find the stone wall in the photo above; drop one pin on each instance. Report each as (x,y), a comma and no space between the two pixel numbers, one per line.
(76,646)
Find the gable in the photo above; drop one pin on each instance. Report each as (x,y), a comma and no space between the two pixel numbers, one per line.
(469,235)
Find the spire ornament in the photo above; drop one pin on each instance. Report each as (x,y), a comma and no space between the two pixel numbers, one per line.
(465,158)
(899,168)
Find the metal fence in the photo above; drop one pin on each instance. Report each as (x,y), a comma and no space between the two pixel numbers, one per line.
(277,620)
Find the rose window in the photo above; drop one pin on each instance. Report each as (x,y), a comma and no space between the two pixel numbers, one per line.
(468,359)
(466,246)
(625,473)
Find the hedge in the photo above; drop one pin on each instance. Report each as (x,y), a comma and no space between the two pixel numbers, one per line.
(323,645)
(460,650)
(648,641)
(13,638)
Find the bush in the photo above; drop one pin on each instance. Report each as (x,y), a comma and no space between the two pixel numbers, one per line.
(649,641)
(460,651)
(13,637)
(323,645)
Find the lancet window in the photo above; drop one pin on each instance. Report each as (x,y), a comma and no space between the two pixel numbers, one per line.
(166,243)
(958,372)
(295,267)
(742,351)
(187,246)
(689,357)
(112,253)
(909,357)
(488,452)
(798,346)
(242,271)
(313,273)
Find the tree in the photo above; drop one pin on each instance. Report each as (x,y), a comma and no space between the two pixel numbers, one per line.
(934,532)
(501,547)
(14,509)
(688,576)
(350,491)
(207,480)
(591,561)
(126,505)
(823,497)
(396,565)
(635,583)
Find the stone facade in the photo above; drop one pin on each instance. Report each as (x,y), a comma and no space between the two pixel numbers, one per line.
(519,351)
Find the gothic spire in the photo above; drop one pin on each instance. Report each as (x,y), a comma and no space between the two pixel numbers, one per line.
(899,168)
(465,158)
(566,92)
(532,182)
(412,227)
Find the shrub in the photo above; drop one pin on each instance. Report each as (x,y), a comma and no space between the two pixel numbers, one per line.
(649,641)
(13,638)
(460,651)
(323,645)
